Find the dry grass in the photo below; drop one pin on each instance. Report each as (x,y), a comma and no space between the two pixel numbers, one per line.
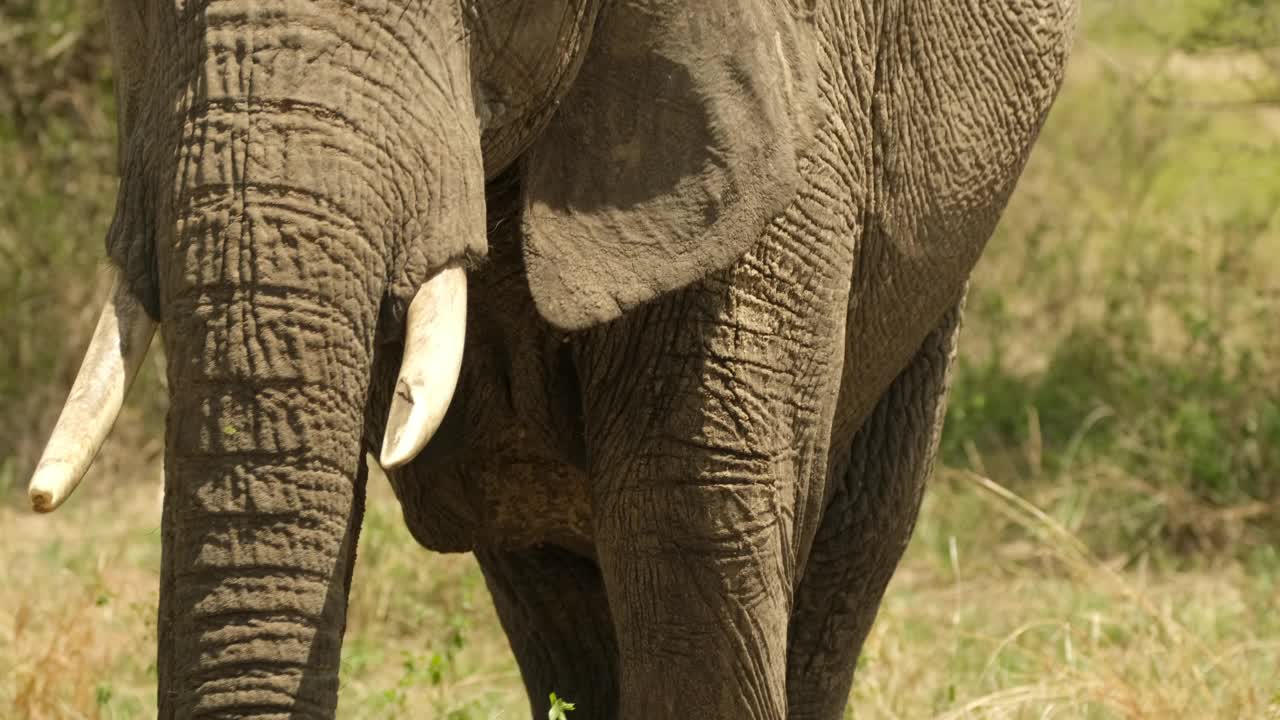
(77,608)
(1040,627)
(998,611)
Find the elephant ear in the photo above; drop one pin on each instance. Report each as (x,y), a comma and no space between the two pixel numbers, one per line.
(127,26)
(675,147)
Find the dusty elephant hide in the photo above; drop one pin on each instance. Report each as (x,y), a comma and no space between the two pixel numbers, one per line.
(715,256)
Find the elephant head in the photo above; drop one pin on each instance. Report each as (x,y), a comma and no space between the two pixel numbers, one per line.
(303,189)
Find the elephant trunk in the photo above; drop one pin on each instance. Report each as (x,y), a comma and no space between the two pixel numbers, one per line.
(269,320)
(304,190)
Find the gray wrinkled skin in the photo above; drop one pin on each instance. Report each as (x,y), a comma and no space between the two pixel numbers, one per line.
(717,254)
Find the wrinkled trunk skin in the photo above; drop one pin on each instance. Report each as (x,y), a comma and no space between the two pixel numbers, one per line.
(269,322)
(263,474)
(296,191)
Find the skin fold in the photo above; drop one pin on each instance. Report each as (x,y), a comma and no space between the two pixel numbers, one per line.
(716,255)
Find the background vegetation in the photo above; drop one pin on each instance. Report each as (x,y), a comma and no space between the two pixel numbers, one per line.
(1101,539)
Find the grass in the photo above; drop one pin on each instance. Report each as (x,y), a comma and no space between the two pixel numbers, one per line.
(1121,321)
(1043,627)
(997,611)
(1100,540)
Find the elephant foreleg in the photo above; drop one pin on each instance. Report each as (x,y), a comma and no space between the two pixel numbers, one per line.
(707,416)
(552,606)
(699,593)
(876,497)
(694,485)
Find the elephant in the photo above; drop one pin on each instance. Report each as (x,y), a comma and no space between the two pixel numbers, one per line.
(651,305)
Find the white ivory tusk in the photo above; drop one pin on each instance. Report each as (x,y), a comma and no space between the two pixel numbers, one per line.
(115,353)
(434,338)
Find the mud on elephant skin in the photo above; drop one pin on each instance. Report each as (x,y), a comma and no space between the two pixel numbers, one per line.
(649,304)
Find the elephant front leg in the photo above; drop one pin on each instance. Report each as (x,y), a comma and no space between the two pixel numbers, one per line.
(699,592)
(704,449)
(877,487)
(553,609)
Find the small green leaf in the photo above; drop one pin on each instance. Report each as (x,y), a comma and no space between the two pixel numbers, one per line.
(559,706)
(436,669)
(102,695)
(229,430)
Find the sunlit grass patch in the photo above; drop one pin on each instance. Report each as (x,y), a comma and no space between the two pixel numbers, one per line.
(1023,621)
(422,633)
(77,608)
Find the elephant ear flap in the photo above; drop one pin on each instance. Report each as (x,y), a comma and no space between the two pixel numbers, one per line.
(676,146)
(128,29)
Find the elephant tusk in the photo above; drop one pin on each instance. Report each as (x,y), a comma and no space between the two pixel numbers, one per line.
(434,338)
(115,353)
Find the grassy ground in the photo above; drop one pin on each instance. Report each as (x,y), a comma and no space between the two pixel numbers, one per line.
(997,612)
(1100,541)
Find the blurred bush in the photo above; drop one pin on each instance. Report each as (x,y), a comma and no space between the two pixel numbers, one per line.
(57,193)
(1120,361)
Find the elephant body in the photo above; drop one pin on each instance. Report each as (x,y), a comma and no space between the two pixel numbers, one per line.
(716,253)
